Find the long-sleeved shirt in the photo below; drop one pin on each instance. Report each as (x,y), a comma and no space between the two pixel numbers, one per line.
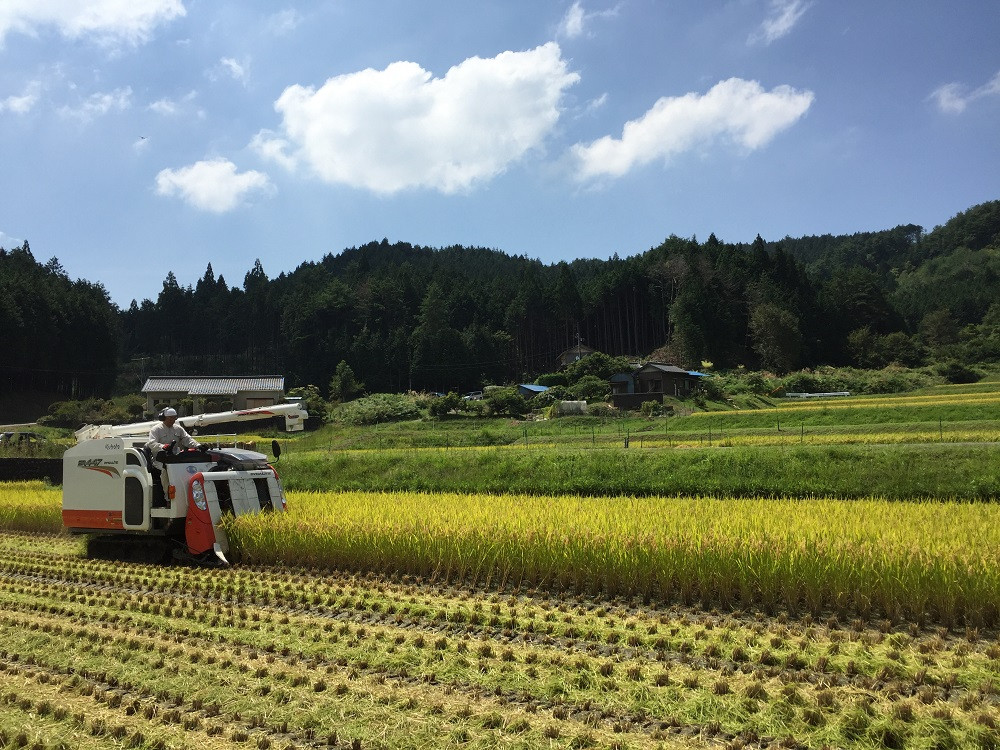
(161,435)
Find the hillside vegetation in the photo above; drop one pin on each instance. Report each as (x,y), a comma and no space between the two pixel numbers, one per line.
(404,317)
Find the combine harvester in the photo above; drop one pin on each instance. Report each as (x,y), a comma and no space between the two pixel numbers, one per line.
(113,492)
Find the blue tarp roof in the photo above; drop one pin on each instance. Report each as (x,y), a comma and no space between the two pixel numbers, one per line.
(533,387)
(698,374)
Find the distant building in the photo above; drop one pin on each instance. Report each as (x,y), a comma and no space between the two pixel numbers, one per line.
(529,390)
(575,354)
(652,382)
(247,392)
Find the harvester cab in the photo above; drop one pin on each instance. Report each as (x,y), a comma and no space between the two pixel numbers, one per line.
(112,490)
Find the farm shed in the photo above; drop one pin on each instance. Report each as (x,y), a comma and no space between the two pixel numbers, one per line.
(528,390)
(240,392)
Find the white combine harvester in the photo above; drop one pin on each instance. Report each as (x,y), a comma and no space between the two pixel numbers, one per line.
(111,489)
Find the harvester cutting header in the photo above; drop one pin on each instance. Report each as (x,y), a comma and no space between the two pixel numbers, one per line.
(112,487)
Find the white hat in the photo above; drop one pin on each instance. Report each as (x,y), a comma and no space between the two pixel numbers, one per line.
(168,412)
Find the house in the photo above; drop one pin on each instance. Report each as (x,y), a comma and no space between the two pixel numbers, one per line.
(652,382)
(622,383)
(575,354)
(665,380)
(233,393)
(530,390)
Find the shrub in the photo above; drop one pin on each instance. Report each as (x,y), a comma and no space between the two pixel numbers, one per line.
(377,408)
(552,378)
(559,393)
(590,388)
(121,410)
(712,388)
(602,409)
(312,401)
(444,405)
(542,400)
(801,382)
(507,401)
(955,372)
(475,408)
(598,365)
(651,408)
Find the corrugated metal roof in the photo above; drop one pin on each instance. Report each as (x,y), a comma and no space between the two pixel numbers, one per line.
(665,368)
(213,385)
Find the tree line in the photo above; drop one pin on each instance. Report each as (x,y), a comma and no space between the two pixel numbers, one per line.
(405,317)
(56,335)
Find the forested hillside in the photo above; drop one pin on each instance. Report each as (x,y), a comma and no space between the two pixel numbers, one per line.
(406,317)
(56,335)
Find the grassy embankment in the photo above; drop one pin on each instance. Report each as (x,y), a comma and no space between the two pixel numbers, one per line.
(939,443)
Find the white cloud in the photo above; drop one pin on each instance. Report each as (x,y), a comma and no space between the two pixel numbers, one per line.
(166,107)
(951,97)
(7,242)
(284,22)
(734,110)
(397,128)
(176,107)
(107,21)
(213,185)
(784,15)
(239,71)
(272,147)
(574,23)
(99,104)
(24,103)
(595,104)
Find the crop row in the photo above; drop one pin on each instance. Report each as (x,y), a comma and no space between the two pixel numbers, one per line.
(212,654)
(925,561)
(930,561)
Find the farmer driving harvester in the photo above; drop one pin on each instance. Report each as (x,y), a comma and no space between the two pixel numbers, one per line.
(165,437)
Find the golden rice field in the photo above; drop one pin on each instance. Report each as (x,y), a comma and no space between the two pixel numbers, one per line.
(928,561)
(988,398)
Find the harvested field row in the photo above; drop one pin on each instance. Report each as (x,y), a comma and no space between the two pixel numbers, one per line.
(115,655)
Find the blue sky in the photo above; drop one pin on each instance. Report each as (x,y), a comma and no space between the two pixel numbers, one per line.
(139,137)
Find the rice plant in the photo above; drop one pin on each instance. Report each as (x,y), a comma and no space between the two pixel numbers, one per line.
(919,561)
